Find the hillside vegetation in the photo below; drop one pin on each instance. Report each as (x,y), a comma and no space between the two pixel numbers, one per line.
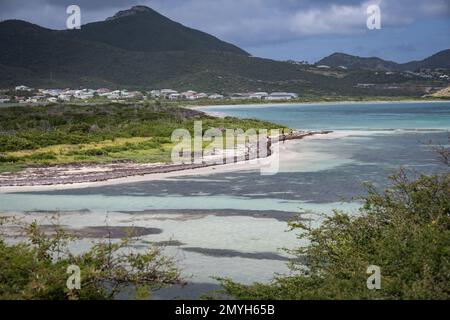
(438,60)
(141,49)
(405,231)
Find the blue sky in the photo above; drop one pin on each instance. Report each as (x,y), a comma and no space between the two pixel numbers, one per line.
(400,44)
(280,29)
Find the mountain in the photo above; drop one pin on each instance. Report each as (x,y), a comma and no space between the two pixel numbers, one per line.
(136,48)
(354,62)
(143,29)
(141,49)
(42,57)
(438,60)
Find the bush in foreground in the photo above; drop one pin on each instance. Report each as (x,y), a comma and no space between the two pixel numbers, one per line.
(405,231)
(37,268)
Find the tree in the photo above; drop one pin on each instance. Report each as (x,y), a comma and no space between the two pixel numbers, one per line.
(404,230)
(37,268)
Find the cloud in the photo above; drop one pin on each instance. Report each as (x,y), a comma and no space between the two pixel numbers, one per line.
(259,22)
(245,22)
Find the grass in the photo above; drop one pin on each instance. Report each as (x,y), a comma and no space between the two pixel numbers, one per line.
(62,134)
(140,149)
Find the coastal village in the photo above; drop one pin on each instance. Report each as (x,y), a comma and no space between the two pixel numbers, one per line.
(25,94)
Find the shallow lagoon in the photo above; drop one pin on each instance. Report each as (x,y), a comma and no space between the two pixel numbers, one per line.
(234,223)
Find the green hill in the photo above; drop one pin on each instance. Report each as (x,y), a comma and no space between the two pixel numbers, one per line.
(339,59)
(143,29)
(438,60)
(141,49)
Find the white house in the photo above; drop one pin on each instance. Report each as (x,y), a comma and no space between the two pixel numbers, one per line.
(84,94)
(64,97)
(174,96)
(239,96)
(155,93)
(102,91)
(216,96)
(51,92)
(258,95)
(23,88)
(167,92)
(188,95)
(114,95)
(282,96)
(201,95)
(129,94)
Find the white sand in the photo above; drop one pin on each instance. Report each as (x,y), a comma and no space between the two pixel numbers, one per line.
(281,152)
(240,166)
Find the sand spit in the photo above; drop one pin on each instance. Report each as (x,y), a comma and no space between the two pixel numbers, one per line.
(85,174)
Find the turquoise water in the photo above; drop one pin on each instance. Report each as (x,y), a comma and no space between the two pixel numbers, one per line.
(348,116)
(233,223)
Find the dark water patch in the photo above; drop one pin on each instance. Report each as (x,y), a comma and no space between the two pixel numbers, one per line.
(94,232)
(318,187)
(56,212)
(226,253)
(193,213)
(104,232)
(168,243)
(373,160)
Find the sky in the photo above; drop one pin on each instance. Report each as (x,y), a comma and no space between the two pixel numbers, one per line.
(279,29)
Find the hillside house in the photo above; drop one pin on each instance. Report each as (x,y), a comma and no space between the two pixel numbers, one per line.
(282,96)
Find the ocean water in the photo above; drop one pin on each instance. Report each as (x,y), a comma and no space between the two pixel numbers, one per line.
(348,116)
(233,224)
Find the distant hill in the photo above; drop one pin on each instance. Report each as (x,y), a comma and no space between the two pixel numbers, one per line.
(141,49)
(353,62)
(439,60)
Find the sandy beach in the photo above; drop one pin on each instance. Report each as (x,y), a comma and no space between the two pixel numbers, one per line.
(74,176)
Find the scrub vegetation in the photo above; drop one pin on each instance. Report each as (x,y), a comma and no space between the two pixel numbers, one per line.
(57,134)
(404,230)
(37,268)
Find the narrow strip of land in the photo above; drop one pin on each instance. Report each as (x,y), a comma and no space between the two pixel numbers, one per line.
(79,173)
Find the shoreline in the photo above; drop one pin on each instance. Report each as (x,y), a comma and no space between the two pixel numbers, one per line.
(255,103)
(75,176)
(288,103)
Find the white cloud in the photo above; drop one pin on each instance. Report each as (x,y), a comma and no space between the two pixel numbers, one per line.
(245,22)
(249,22)
(332,20)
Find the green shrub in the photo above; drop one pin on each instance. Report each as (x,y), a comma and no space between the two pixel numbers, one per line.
(8,159)
(405,231)
(36,268)
(14,143)
(42,156)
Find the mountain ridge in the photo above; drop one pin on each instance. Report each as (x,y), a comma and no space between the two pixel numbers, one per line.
(143,29)
(128,12)
(340,59)
(127,52)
